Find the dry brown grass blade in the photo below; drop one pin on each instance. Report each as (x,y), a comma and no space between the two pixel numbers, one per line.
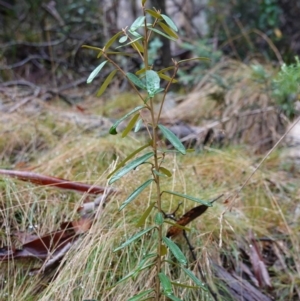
(260,270)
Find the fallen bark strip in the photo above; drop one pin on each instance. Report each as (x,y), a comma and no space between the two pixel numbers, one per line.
(56,182)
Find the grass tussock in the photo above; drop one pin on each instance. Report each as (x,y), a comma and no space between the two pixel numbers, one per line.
(51,145)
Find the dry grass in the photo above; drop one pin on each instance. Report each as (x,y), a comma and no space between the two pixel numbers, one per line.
(59,147)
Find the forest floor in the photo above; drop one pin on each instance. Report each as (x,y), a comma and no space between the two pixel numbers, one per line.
(249,236)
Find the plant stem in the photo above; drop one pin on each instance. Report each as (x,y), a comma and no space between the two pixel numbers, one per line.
(158,200)
(154,122)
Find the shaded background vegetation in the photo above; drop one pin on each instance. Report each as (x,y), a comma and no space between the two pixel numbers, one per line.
(41,40)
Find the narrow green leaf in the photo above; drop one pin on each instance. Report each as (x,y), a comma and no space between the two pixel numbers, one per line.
(161,33)
(130,166)
(166,284)
(146,267)
(131,274)
(195,279)
(153,13)
(163,250)
(136,270)
(166,69)
(121,164)
(158,173)
(135,193)
(129,43)
(185,196)
(152,82)
(130,125)
(123,39)
(138,46)
(99,54)
(165,171)
(135,34)
(194,59)
(144,2)
(113,129)
(156,92)
(138,125)
(184,285)
(169,135)
(133,238)
(112,40)
(175,250)
(168,30)
(91,47)
(141,71)
(137,23)
(141,295)
(95,72)
(136,81)
(172,297)
(119,53)
(106,83)
(143,218)
(144,260)
(167,78)
(159,218)
(170,22)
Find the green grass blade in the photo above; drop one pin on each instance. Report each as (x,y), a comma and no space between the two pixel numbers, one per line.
(175,250)
(197,281)
(95,72)
(169,135)
(141,295)
(133,238)
(135,193)
(130,166)
(172,297)
(185,196)
(113,129)
(106,83)
(143,218)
